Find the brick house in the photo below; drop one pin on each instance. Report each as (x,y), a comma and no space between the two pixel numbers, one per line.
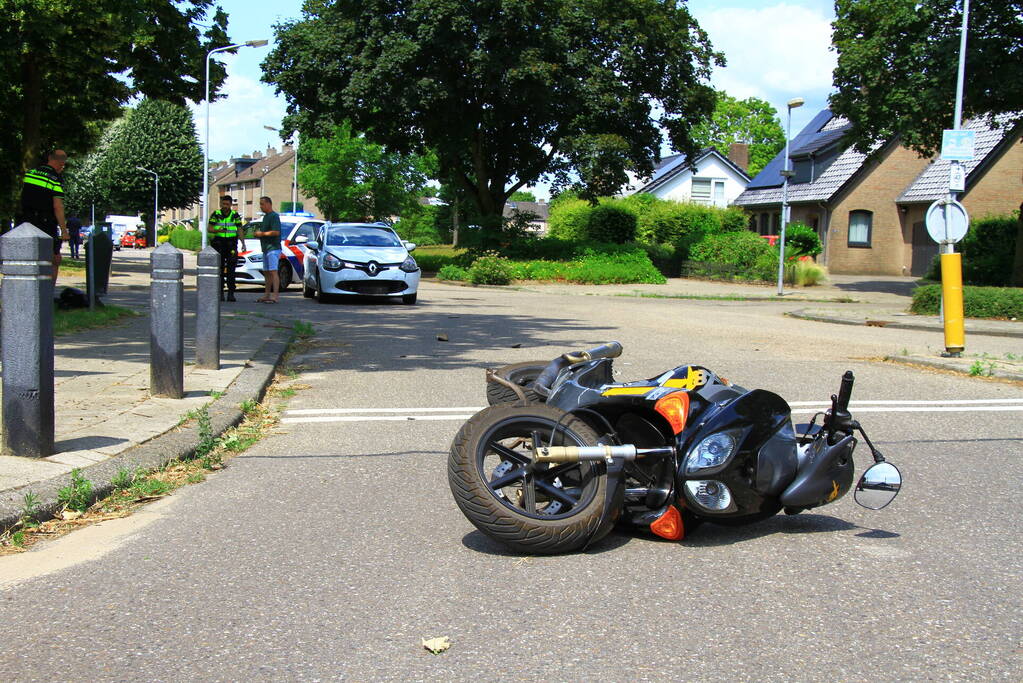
(246,179)
(868,210)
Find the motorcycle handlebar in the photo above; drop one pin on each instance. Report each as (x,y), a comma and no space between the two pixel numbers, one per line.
(542,384)
(608,350)
(845,392)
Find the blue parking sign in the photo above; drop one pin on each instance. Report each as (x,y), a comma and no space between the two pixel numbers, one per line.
(957,145)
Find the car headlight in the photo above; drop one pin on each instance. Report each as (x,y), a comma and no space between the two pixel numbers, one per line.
(710,495)
(409,265)
(712,452)
(331,262)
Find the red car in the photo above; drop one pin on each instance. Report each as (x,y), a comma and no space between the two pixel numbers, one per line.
(136,240)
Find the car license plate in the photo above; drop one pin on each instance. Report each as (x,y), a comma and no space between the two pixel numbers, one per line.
(375,289)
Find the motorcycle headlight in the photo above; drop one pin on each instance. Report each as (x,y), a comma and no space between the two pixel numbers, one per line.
(712,452)
(710,495)
(409,265)
(331,262)
(256,259)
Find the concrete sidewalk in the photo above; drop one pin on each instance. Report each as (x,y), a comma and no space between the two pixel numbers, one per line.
(105,418)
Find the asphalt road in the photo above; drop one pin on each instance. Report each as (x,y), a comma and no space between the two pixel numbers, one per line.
(330,549)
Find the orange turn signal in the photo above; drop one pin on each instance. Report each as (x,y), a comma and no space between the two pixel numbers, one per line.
(674,407)
(669,525)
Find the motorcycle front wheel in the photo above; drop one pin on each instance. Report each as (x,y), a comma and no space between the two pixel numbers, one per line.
(535,509)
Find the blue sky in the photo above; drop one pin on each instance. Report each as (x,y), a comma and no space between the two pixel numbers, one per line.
(775,51)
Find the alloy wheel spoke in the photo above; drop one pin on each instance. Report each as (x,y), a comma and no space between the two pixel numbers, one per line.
(529,494)
(557,494)
(508,478)
(508,453)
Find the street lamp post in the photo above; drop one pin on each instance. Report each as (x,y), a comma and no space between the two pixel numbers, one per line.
(786,174)
(294,184)
(156,202)
(206,142)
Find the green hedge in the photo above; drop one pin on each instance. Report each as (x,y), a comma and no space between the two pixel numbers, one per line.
(183,238)
(978,302)
(624,265)
(988,252)
(658,221)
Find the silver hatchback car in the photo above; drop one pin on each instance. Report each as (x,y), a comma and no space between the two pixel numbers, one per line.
(360,259)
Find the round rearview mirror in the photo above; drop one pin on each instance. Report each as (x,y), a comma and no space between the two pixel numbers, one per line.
(878,486)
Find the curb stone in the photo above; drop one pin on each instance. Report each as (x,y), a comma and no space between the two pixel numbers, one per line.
(225,412)
(957,365)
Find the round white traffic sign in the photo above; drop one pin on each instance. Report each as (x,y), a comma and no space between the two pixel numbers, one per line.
(951,229)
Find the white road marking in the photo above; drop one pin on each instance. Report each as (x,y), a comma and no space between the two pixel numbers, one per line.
(462,413)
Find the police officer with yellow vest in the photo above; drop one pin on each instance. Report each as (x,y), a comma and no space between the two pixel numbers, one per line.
(225,231)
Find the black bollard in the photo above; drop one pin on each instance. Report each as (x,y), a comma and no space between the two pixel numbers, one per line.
(166,324)
(207,310)
(27,337)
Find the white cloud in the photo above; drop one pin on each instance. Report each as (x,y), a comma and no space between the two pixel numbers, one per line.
(774,53)
(236,122)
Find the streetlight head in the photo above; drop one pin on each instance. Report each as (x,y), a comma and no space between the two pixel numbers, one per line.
(256,43)
(796,102)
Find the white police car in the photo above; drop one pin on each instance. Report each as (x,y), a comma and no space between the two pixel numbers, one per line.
(296,230)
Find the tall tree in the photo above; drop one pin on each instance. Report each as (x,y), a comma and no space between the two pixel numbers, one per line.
(69,64)
(507,92)
(354,179)
(897,64)
(751,121)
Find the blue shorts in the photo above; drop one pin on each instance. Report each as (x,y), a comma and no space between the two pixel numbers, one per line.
(271,259)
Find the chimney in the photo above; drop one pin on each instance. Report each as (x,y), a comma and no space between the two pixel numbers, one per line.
(738,154)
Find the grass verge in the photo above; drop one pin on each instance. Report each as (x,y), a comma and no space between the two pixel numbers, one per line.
(67,322)
(135,488)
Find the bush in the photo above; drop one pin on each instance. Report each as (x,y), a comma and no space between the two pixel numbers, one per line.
(803,239)
(453,272)
(978,302)
(803,272)
(422,226)
(741,249)
(611,223)
(988,252)
(490,270)
(185,238)
(568,219)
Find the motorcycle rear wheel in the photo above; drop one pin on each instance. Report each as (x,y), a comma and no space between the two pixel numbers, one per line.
(547,510)
(522,374)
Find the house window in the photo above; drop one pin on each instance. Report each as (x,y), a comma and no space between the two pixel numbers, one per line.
(860,224)
(708,191)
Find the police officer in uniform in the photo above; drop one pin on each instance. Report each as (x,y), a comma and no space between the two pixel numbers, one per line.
(225,230)
(42,201)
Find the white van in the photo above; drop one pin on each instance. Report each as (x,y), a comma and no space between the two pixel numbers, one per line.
(120,225)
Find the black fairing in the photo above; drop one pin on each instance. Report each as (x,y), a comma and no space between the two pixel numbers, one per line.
(766,457)
(826,475)
(582,385)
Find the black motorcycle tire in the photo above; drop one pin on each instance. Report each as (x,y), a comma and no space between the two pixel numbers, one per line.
(494,514)
(522,374)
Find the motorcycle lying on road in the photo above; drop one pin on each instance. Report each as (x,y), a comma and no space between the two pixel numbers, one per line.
(564,453)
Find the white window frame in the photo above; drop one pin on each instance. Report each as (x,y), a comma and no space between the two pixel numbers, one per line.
(715,184)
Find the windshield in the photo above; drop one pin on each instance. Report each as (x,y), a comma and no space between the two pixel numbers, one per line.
(350,236)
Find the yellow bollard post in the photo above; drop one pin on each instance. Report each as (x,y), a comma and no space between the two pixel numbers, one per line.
(952,302)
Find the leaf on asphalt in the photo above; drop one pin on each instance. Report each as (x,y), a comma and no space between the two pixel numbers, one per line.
(442,337)
(437,645)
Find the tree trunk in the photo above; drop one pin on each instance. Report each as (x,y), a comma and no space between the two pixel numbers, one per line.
(1017,265)
(454,222)
(31,124)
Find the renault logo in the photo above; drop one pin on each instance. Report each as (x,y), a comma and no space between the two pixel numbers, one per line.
(372,268)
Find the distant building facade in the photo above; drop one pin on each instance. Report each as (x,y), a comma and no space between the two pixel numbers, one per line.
(246,179)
